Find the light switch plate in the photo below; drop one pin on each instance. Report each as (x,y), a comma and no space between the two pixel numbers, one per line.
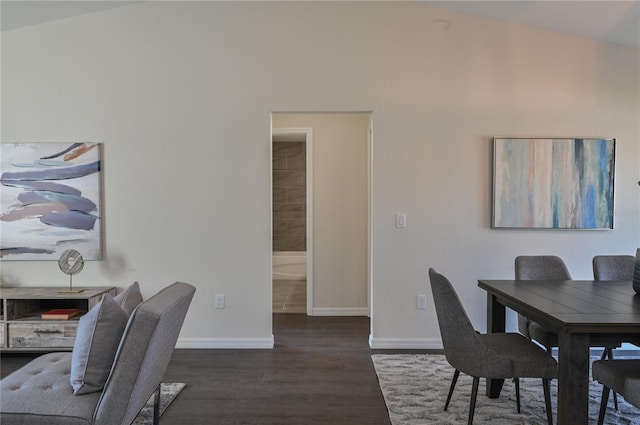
(219,300)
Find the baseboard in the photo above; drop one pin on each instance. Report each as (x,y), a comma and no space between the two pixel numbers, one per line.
(622,352)
(226,343)
(627,350)
(355,311)
(405,343)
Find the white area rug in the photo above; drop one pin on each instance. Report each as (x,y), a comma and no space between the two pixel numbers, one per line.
(415,389)
(168,393)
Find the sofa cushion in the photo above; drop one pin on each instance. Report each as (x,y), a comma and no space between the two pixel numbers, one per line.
(97,340)
(39,394)
(129,298)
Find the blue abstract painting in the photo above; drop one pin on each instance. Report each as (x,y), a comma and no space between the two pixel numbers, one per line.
(553,183)
(50,200)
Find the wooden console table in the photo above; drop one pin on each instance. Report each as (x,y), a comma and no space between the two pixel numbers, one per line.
(21,325)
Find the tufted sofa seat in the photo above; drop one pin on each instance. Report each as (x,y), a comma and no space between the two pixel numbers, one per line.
(40,392)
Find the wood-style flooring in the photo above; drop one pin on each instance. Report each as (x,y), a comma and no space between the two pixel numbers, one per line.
(319,372)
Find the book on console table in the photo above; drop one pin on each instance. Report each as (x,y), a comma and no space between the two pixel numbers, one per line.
(60,313)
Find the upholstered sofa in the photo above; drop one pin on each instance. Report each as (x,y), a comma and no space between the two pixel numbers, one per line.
(41,393)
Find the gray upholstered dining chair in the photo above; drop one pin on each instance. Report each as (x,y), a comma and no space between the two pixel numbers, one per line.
(613,267)
(493,356)
(539,267)
(552,268)
(621,376)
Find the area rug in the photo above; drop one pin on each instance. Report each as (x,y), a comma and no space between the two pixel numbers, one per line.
(168,393)
(415,388)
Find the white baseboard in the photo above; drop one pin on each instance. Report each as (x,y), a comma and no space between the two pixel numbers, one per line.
(374,343)
(627,350)
(405,343)
(355,311)
(230,343)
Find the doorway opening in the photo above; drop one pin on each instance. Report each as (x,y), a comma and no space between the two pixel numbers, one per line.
(326,225)
(292,209)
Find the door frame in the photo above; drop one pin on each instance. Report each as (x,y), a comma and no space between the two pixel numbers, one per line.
(305,135)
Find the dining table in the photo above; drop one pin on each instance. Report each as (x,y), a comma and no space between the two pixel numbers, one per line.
(581,312)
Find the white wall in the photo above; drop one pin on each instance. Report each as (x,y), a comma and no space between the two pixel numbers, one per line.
(339,209)
(180,93)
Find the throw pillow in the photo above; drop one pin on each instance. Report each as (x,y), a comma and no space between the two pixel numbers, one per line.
(97,340)
(129,298)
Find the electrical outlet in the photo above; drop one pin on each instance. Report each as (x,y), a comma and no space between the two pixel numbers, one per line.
(421,302)
(401,220)
(219,300)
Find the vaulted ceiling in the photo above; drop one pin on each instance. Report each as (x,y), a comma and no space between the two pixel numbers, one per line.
(607,20)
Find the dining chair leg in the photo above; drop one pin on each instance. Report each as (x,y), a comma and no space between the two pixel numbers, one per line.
(474,396)
(608,353)
(516,381)
(603,404)
(547,400)
(453,385)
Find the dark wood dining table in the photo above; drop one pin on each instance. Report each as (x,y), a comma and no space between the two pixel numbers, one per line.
(582,312)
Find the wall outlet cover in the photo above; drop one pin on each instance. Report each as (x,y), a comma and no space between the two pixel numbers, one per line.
(219,301)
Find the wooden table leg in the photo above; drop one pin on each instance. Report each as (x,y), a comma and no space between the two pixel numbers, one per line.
(496,323)
(573,379)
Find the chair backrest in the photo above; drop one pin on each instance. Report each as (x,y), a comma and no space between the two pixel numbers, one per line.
(632,391)
(459,338)
(621,376)
(143,355)
(613,267)
(541,267)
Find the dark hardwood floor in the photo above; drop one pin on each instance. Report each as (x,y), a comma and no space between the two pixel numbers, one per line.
(319,372)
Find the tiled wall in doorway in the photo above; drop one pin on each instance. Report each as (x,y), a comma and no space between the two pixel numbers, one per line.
(289,196)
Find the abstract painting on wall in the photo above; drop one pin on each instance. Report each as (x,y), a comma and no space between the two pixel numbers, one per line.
(50,200)
(553,183)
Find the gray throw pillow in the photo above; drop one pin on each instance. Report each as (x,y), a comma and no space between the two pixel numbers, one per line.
(97,340)
(129,298)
